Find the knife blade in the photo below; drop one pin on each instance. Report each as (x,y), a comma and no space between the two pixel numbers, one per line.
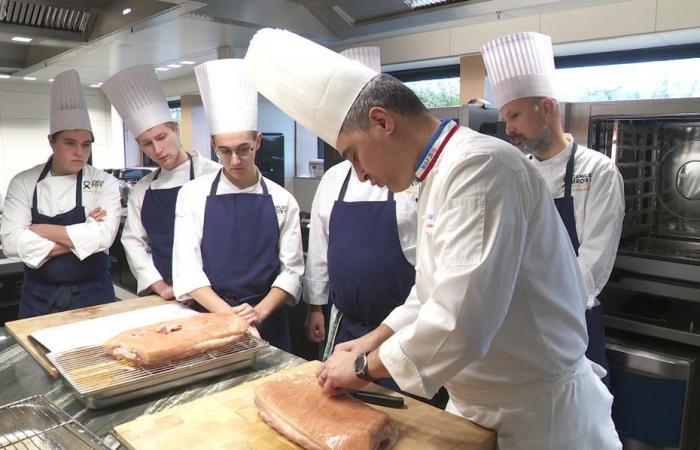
(377,398)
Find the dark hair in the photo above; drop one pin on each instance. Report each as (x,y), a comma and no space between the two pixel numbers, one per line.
(172,125)
(58,133)
(387,92)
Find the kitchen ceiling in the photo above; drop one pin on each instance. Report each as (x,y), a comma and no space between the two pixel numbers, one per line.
(98,40)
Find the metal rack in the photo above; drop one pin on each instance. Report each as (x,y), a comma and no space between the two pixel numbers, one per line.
(101,380)
(35,423)
(639,146)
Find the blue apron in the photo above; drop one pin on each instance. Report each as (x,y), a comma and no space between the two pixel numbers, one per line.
(65,282)
(594,316)
(240,254)
(368,272)
(158,218)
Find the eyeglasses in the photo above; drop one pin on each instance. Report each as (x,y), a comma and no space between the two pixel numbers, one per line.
(241,152)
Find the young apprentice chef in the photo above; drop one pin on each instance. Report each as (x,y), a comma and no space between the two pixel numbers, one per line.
(587,187)
(147,238)
(62,216)
(237,234)
(497,312)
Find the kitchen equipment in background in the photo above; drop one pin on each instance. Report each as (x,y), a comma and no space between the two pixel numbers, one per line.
(657,400)
(316,168)
(35,422)
(654,288)
(270,157)
(652,298)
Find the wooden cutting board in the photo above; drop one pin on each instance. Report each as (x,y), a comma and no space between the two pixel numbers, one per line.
(21,329)
(229,420)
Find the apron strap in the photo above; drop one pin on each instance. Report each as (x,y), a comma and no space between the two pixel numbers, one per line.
(78,187)
(79,190)
(569,176)
(344,189)
(264,186)
(215,183)
(191,166)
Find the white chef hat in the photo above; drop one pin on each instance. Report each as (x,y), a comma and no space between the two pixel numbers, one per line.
(520,65)
(230,102)
(68,108)
(369,56)
(138,97)
(312,84)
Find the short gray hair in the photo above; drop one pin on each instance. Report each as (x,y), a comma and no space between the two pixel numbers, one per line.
(384,91)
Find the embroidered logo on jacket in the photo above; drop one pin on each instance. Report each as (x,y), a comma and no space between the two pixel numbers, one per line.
(580,182)
(94,186)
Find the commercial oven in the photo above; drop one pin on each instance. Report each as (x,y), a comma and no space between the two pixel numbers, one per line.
(654,289)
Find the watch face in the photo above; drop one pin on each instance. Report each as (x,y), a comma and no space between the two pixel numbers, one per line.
(360,363)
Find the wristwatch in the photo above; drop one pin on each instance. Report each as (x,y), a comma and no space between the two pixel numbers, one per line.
(361,367)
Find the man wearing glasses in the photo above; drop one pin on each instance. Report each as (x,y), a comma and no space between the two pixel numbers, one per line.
(237,234)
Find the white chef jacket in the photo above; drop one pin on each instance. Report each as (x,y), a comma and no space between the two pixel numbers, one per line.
(134,237)
(599,208)
(56,195)
(316,280)
(188,272)
(498,305)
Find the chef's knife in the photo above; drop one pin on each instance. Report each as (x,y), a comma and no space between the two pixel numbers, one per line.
(377,398)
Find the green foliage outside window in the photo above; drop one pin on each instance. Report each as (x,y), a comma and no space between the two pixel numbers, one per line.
(437,93)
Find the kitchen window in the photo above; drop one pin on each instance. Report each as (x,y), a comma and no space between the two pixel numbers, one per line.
(434,86)
(657,73)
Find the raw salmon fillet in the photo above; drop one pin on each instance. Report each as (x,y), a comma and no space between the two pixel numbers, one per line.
(165,342)
(296,407)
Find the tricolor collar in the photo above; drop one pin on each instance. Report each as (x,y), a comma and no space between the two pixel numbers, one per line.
(432,151)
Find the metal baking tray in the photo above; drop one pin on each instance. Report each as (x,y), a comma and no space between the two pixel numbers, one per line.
(101,380)
(35,423)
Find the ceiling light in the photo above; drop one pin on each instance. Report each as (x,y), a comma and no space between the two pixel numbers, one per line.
(21,39)
(2,75)
(126,11)
(50,80)
(186,62)
(30,78)
(95,85)
(421,4)
(162,69)
(174,66)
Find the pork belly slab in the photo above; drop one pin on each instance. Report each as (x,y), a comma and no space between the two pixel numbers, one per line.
(296,407)
(169,341)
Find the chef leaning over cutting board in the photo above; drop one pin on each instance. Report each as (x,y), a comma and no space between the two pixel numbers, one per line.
(237,234)
(362,247)
(62,216)
(150,222)
(587,187)
(497,312)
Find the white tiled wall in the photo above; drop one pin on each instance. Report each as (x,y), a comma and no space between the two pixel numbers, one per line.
(24,126)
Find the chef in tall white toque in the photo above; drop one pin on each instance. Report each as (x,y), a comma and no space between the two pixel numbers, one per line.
(497,312)
(61,217)
(238,234)
(587,187)
(362,249)
(147,238)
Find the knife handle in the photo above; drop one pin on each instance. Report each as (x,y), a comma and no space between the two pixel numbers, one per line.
(377,398)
